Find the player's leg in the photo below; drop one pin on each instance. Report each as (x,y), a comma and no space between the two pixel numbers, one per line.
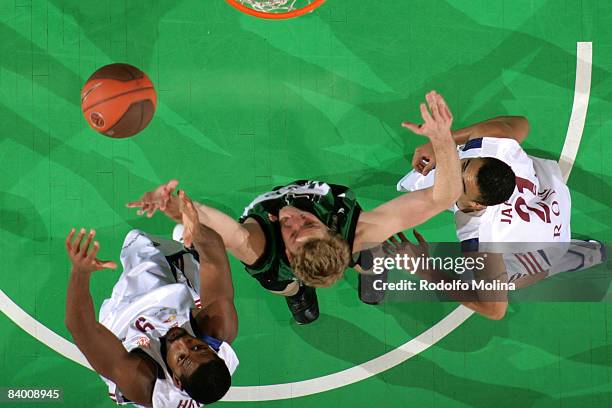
(581,255)
(367,278)
(302,303)
(301,299)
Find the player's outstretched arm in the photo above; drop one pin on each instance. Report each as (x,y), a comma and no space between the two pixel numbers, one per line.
(218,317)
(133,375)
(491,304)
(414,208)
(245,241)
(502,127)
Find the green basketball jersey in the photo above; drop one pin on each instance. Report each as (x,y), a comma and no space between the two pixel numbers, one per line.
(336,206)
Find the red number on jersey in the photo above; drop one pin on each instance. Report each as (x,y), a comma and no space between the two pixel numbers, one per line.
(143,327)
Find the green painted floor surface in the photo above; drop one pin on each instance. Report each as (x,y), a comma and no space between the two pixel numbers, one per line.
(247,104)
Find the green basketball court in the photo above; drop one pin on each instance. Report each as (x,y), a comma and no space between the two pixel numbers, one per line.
(245,104)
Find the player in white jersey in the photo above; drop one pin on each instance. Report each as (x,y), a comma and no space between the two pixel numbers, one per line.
(508,197)
(153,346)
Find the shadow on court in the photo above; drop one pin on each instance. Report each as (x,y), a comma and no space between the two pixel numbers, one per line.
(346,341)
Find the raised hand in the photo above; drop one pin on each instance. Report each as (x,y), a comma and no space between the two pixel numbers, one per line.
(191,221)
(82,258)
(424,159)
(437,124)
(158,199)
(401,245)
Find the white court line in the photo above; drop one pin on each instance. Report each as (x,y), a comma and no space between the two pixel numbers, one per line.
(40,332)
(354,374)
(582,91)
(379,364)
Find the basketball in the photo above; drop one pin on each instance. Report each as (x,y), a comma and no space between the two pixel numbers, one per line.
(118,100)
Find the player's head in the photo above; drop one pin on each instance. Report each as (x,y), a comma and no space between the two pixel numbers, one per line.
(317,255)
(486,181)
(195,367)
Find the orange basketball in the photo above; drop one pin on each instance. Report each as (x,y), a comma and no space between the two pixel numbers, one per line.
(118,100)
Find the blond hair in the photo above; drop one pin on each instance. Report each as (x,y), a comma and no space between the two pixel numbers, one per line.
(321,262)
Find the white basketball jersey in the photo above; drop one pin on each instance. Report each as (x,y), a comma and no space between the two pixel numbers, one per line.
(538,211)
(145,304)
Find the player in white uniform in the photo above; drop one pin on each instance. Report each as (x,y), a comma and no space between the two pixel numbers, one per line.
(508,197)
(153,346)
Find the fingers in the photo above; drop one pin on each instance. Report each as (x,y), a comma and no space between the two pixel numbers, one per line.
(69,240)
(76,245)
(427,168)
(170,186)
(188,205)
(190,218)
(105,264)
(91,257)
(419,237)
(147,208)
(186,201)
(402,237)
(387,248)
(393,240)
(85,248)
(433,102)
(134,204)
(425,114)
(94,251)
(187,240)
(416,160)
(166,193)
(187,234)
(444,110)
(413,127)
(181,195)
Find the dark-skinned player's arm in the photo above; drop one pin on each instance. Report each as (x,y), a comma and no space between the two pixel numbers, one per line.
(489,303)
(245,241)
(502,127)
(218,317)
(134,376)
(414,208)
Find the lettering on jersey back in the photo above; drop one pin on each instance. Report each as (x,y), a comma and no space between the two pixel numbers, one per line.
(507,212)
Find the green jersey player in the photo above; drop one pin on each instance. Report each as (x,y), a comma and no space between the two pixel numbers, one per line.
(306,234)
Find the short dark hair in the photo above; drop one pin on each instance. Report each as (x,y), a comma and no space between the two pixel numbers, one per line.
(209,382)
(496,181)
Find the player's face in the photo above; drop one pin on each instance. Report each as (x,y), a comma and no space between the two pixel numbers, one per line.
(185,353)
(471,193)
(299,226)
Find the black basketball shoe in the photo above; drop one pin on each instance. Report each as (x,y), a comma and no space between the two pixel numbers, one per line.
(304,305)
(367,293)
